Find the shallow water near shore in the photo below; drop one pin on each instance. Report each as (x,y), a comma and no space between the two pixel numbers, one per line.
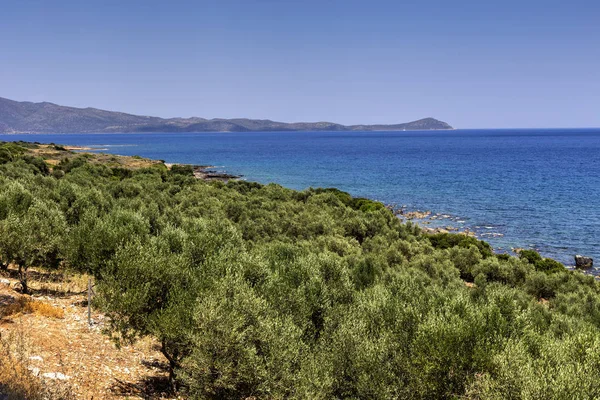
(515,188)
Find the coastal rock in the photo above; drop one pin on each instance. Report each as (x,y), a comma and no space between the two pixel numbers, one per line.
(416,214)
(5,282)
(583,262)
(434,230)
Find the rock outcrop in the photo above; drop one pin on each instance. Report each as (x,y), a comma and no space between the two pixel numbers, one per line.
(582,262)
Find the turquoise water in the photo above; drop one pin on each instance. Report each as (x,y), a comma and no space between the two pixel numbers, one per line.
(515,188)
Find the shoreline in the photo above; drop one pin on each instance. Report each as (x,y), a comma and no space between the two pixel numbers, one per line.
(207,172)
(428,221)
(405,214)
(425,218)
(204,172)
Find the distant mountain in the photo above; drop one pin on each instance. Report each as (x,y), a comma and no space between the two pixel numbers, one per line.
(27,117)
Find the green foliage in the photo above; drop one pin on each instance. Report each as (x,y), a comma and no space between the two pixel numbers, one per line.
(249,349)
(549,265)
(68,164)
(91,244)
(357,203)
(541,264)
(550,368)
(448,240)
(366,205)
(39,164)
(181,169)
(10,151)
(31,236)
(121,173)
(531,256)
(260,291)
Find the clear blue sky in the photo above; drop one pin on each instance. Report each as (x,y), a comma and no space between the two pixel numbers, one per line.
(504,63)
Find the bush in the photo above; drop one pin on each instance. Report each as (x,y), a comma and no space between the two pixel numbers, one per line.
(10,152)
(39,164)
(531,256)
(549,265)
(541,264)
(181,169)
(448,240)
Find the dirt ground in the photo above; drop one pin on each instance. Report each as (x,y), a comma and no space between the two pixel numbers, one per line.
(48,335)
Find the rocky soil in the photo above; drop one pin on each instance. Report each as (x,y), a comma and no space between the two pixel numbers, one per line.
(49,336)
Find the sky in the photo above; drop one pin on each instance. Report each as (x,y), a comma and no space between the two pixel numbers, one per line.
(473,64)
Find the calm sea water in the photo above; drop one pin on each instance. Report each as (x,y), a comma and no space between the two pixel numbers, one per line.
(536,188)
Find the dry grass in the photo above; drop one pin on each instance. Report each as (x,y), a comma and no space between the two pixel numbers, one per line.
(53,156)
(58,339)
(52,162)
(13,305)
(26,305)
(18,380)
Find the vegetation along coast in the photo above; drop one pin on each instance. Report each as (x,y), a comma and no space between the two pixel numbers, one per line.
(125,276)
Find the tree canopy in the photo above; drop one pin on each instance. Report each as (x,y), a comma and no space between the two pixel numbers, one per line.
(258,290)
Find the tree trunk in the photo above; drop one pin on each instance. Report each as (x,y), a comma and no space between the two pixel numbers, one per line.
(23,279)
(89,304)
(172,365)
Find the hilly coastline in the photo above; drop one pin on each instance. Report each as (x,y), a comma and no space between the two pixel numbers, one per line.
(28,117)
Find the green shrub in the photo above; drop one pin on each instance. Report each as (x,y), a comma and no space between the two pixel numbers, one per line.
(10,152)
(531,256)
(181,169)
(549,265)
(448,240)
(39,164)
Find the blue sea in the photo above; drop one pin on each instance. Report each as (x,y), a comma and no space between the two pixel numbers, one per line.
(515,188)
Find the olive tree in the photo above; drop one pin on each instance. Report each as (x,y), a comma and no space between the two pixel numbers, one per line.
(33,238)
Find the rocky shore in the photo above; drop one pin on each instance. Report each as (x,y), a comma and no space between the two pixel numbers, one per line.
(207,172)
(204,172)
(424,218)
(433,223)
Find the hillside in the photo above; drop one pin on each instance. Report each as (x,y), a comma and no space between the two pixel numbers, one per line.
(237,290)
(27,117)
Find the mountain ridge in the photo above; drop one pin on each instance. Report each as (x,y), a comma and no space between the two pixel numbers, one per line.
(46,117)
